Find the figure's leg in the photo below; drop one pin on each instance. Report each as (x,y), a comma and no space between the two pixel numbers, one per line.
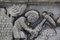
(23,36)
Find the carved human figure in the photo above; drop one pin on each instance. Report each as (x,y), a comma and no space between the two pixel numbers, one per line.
(14,11)
(22,24)
(33,17)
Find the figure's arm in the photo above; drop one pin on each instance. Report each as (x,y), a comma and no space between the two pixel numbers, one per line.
(38,28)
(24,25)
(16,33)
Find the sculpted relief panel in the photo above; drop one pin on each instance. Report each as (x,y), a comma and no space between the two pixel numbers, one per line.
(30,22)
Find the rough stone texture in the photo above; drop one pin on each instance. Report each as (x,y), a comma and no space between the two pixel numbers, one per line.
(5,27)
(6,32)
(46,34)
(57,37)
(53,8)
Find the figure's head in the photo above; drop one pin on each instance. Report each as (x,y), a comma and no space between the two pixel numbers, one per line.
(32,16)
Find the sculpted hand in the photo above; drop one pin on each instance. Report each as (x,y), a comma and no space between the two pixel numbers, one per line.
(34,33)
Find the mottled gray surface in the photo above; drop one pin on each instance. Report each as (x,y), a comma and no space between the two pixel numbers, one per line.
(5,26)
(5,29)
(54,8)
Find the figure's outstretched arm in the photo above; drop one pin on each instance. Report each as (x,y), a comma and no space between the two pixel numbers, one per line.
(39,27)
(22,22)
